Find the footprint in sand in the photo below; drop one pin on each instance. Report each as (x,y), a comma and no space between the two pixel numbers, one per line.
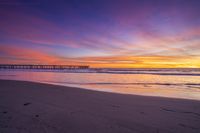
(4,112)
(115,106)
(142,112)
(26,104)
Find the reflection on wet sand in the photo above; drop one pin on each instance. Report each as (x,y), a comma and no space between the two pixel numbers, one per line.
(187,87)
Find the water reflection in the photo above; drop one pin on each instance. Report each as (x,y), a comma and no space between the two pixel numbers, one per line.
(141,84)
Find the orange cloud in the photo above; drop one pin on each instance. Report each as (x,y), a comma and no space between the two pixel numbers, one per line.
(144,61)
(12,54)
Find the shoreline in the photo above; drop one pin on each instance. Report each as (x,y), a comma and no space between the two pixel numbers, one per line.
(38,107)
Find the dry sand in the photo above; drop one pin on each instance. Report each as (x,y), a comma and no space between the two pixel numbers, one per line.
(27,107)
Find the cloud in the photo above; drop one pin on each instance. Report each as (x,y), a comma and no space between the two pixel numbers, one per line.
(25,56)
(138,34)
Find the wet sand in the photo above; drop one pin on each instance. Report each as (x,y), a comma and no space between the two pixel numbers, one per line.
(28,107)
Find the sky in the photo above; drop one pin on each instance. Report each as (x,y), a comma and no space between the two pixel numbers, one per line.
(101,33)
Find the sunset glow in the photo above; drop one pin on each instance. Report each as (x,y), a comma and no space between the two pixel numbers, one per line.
(101,33)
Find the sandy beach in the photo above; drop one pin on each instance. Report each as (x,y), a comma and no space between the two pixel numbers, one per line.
(27,107)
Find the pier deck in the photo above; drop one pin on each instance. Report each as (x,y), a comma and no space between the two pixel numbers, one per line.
(55,67)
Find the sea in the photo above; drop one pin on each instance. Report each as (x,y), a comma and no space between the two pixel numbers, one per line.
(181,83)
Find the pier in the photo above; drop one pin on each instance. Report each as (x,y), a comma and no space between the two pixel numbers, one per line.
(49,67)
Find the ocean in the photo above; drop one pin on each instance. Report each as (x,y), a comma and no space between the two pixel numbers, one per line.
(172,83)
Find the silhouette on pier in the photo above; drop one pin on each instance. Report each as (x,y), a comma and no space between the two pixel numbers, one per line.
(50,67)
